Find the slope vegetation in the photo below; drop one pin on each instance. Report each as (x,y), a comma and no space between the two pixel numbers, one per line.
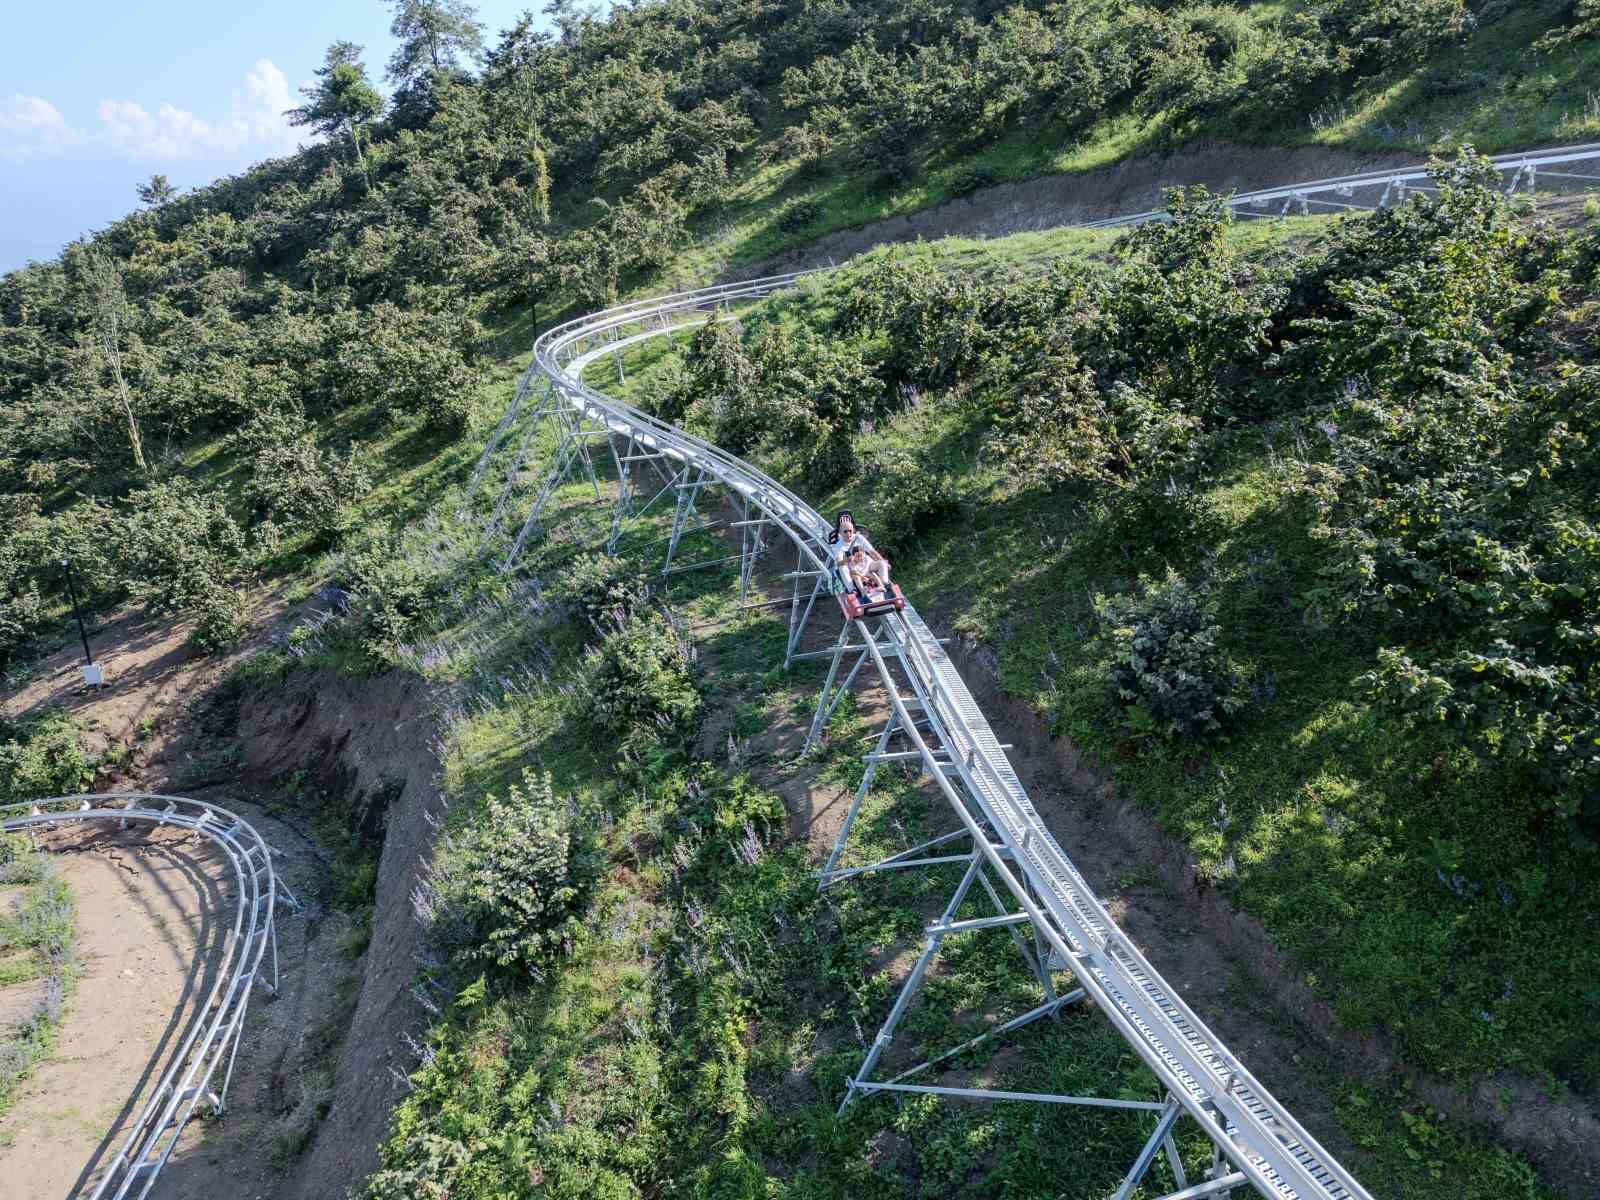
(1116,470)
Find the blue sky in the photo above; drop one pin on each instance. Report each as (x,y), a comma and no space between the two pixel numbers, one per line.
(96,96)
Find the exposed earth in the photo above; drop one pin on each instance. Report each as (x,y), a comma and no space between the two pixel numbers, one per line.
(149,935)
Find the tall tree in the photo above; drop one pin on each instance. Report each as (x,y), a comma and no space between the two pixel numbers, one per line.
(155,191)
(434,35)
(342,100)
(108,305)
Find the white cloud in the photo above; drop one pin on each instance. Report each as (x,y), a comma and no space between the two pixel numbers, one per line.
(170,134)
(31,125)
(268,98)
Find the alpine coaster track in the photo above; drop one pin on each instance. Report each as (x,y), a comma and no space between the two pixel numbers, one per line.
(214,1031)
(999,835)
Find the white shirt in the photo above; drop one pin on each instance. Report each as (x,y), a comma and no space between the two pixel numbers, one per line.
(856,541)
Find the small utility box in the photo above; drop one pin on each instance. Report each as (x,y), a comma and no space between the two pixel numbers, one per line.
(93,676)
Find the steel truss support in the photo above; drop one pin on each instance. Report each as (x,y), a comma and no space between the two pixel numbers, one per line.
(829,700)
(687,511)
(541,413)
(576,433)
(798,617)
(1160,1140)
(752,546)
(624,515)
(531,378)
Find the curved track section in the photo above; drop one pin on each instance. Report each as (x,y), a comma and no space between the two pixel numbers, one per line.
(1265,1147)
(1263,1141)
(1558,169)
(215,1032)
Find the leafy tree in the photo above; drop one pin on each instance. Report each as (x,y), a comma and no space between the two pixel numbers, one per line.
(1583,21)
(515,885)
(182,552)
(156,191)
(434,35)
(109,306)
(343,101)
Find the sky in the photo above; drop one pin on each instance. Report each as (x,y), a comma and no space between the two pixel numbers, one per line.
(95,97)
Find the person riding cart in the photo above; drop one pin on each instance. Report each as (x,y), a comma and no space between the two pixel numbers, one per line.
(863,571)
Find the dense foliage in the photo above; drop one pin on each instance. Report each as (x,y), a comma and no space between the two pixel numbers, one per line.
(317,303)
(513,888)
(1437,356)
(42,755)
(640,693)
(1163,660)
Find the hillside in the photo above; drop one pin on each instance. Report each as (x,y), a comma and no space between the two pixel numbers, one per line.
(1286,533)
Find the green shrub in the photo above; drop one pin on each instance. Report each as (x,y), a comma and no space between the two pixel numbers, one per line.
(967,182)
(1057,427)
(408,363)
(910,498)
(1583,21)
(605,588)
(639,690)
(219,620)
(513,888)
(182,552)
(1164,663)
(1455,497)
(389,592)
(293,481)
(42,755)
(799,217)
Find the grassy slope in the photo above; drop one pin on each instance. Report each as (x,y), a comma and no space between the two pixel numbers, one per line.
(1419,905)
(1338,808)
(1491,92)
(698,1042)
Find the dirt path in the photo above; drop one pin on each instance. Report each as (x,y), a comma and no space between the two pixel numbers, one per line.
(145,922)
(1133,185)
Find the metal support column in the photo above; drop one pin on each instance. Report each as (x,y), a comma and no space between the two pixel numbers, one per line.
(861,794)
(912,983)
(688,500)
(1162,1137)
(829,700)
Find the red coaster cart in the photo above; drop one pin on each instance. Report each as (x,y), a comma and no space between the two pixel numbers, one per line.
(871,602)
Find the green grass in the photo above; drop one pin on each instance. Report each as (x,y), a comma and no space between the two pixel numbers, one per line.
(38,947)
(1491,92)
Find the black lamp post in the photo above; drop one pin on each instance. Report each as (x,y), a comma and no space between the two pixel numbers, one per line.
(72,590)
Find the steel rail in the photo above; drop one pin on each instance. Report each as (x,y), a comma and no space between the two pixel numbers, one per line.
(1534,162)
(1253,1130)
(1266,1147)
(215,1031)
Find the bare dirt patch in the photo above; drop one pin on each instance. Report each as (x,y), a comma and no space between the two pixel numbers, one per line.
(145,919)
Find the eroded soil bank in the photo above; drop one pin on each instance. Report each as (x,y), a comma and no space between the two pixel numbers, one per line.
(373,741)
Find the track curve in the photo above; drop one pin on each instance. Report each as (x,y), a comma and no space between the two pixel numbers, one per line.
(1258,1135)
(1266,1147)
(214,1035)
